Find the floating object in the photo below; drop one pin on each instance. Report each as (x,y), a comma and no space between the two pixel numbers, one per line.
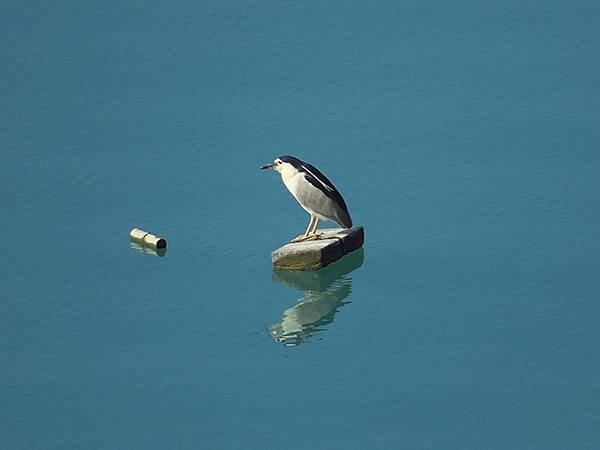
(147,239)
(315,254)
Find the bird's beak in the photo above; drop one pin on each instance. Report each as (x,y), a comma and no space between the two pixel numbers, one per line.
(268,166)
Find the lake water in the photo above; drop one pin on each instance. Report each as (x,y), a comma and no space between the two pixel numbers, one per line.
(464,136)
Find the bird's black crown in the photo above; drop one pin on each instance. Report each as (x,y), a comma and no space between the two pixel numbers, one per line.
(297,163)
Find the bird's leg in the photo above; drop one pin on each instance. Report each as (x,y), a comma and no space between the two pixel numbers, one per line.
(306,234)
(313,220)
(313,232)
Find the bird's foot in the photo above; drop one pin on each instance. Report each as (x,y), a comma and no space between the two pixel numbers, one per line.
(301,238)
(308,237)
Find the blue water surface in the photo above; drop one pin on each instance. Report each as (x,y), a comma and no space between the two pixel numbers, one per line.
(464,137)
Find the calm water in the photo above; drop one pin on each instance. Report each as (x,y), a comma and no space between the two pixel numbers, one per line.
(464,136)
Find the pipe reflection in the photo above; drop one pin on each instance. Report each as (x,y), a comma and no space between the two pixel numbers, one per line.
(160,252)
(324,293)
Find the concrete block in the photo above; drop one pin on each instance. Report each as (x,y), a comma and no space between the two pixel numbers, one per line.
(318,253)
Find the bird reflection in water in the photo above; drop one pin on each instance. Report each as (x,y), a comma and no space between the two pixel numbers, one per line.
(324,293)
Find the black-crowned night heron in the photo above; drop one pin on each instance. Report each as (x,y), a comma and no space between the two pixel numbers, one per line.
(315,193)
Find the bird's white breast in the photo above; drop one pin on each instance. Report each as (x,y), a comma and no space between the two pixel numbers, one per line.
(291,179)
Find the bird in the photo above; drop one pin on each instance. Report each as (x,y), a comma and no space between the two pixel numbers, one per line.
(315,193)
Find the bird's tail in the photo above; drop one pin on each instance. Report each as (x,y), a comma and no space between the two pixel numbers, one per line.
(345,221)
